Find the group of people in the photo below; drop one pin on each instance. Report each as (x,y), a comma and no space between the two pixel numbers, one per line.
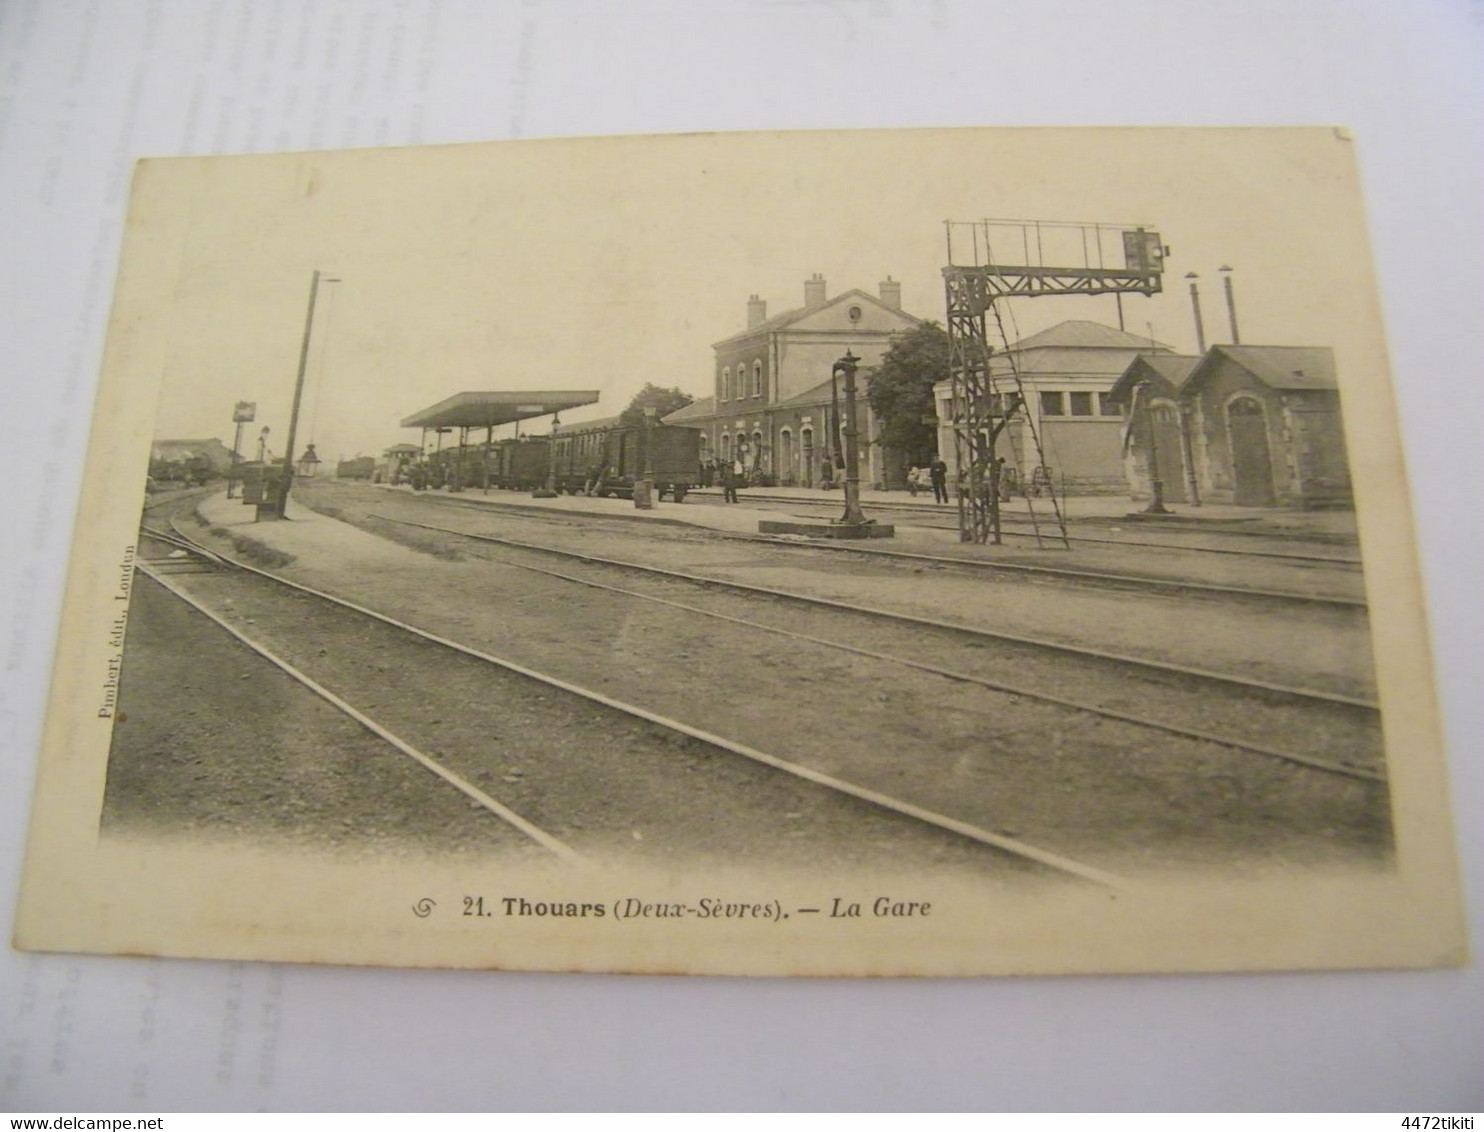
(725,474)
(935,475)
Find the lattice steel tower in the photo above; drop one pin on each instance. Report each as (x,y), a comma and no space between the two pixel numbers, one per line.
(1000,259)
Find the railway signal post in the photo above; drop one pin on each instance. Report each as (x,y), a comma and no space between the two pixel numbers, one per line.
(992,260)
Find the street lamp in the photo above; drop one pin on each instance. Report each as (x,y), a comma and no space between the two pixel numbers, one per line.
(644,490)
(846,368)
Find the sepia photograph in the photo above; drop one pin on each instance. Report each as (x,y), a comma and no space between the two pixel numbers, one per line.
(880,552)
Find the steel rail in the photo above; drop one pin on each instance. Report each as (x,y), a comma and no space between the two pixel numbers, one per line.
(1009,845)
(551,844)
(1351,770)
(907,509)
(1164,667)
(1101,580)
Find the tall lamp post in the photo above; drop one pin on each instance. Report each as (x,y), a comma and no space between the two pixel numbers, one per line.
(846,368)
(644,497)
(550,490)
(288,452)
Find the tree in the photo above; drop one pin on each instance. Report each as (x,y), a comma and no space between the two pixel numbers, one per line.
(901,390)
(663,401)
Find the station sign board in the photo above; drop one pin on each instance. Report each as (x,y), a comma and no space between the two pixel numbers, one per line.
(244,412)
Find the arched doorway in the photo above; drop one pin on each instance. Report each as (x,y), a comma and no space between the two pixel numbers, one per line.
(786,454)
(1168,451)
(1252,460)
(806,456)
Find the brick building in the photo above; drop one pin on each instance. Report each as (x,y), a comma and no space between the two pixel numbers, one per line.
(1253,426)
(771,394)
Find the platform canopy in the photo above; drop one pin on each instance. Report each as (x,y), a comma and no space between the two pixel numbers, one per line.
(486,410)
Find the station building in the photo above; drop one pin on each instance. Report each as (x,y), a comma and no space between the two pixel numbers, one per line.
(1068,372)
(1255,426)
(771,401)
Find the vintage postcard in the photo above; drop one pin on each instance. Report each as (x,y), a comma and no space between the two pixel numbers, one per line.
(945,552)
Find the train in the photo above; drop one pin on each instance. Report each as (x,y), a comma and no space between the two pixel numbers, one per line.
(617,455)
(357,468)
(606,456)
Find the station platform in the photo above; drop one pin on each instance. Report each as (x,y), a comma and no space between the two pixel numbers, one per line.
(703,508)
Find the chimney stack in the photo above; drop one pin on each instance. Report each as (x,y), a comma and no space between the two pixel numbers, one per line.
(891,293)
(814,291)
(757,311)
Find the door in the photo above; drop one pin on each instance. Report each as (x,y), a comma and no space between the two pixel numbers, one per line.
(1168,452)
(1252,461)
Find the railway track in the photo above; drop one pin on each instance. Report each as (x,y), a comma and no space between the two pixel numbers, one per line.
(1011,847)
(911,514)
(1099,579)
(1204,678)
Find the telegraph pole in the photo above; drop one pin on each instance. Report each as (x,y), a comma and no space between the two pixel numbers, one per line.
(288,452)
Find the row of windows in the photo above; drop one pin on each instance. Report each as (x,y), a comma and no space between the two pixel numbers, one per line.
(743,387)
(1077,405)
(1053,404)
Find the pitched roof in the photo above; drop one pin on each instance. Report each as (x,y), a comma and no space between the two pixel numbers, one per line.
(1172,369)
(1284,367)
(1063,362)
(700,407)
(788,317)
(1082,334)
(814,395)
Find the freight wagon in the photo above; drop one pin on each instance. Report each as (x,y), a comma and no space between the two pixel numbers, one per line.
(357,468)
(608,457)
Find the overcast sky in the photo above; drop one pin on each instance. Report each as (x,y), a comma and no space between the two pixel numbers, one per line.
(609,263)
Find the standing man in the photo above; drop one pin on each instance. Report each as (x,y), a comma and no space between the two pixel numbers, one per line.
(728,482)
(938,474)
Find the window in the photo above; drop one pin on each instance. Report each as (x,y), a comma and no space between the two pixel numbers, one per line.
(757,379)
(726,384)
(1051,405)
(1107,406)
(1081,404)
